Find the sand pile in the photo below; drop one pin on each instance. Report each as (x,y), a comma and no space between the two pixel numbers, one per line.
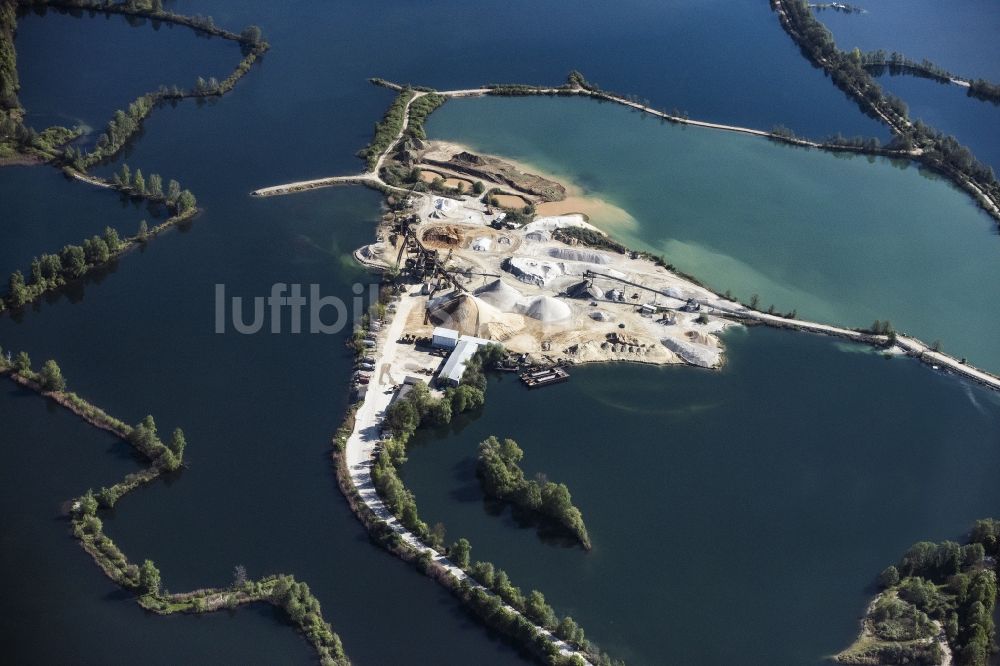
(472,316)
(459,312)
(548,309)
(500,295)
(601,315)
(445,235)
(538,236)
(482,244)
(573,254)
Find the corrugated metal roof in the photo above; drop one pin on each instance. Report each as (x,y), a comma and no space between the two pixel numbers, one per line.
(454,367)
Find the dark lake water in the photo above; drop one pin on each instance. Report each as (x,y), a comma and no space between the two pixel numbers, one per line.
(259,410)
(43,211)
(974,122)
(763,498)
(959,36)
(54,588)
(80,70)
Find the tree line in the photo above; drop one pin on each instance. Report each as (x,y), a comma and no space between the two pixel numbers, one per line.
(896,63)
(502,478)
(420,409)
(420,109)
(533,611)
(848,72)
(19,138)
(387,128)
(145,579)
(984,89)
(283,591)
(51,271)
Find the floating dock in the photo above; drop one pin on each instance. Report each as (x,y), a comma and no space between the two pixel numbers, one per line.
(546,377)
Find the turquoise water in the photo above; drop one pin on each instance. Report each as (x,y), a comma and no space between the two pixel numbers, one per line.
(840,239)
(737,517)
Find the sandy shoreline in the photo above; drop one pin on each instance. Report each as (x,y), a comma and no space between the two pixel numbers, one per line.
(602,213)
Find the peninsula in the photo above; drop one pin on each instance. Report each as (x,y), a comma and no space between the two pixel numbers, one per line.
(469,255)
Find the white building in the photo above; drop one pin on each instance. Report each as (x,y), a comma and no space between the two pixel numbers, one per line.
(445,338)
(454,367)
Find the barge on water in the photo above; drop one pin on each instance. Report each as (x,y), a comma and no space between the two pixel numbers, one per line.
(545,377)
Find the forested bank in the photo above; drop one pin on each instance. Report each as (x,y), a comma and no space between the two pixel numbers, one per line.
(928,146)
(935,589)
(494,597)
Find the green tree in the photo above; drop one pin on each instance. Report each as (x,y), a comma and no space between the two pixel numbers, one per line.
(439,412)
(88,503)
(186,201)
(437,534)
(111,239)
(478,187)
(538,610)
(143,233)
(22,363)
(251,35)
(51,267)
(51,377)
(239,577)
(178,443)
(567,629)
(155,185)
(74,261)
(460,551)
(173,191)
(889,577)
(483,572)
(149,578)
(465,398)
(402,419)
(124,177)
(17,294)
(96,251)
(139,182)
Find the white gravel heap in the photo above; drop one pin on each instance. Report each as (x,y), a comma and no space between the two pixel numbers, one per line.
(574,254)
(559,222)
(501,295)
(692,353)
(548,309)
(534,271)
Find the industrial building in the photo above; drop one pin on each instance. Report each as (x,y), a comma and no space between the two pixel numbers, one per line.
(444,338)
